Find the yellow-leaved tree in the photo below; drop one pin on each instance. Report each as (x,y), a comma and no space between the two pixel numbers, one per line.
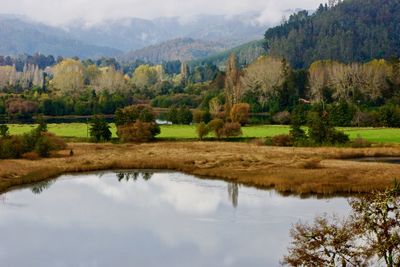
(69,76)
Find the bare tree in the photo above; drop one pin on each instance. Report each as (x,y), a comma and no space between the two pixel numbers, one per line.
(264,74)
(110,80)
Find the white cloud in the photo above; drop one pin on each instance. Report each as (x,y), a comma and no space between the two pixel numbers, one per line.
(91,11)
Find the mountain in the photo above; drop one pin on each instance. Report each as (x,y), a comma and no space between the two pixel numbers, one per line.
(198,37)
(131,34)
(351,30)
(19,35)
(246,53)
(183,49)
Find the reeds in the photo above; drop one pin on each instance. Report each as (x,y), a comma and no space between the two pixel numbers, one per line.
(288,170)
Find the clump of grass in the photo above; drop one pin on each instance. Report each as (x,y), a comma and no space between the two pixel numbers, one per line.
(360,142)
(311,164)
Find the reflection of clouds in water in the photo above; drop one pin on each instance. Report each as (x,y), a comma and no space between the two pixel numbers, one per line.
(172,214)
(189,198)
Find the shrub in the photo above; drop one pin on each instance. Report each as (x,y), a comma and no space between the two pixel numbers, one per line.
(56,143)
(136,124)
(240,113)
(216,126)
(21,106)
(201,116)
(198,116)
(185,116)
(359,142)
(3,130)
(172,115)
(100,130)
(231,129)
(282,118)
(42,143)
(282,140)
(202,130)
(337,137)
(43,147)
(389,116)
(133,113)
(138,131)
(11,147)
(31,156)
(342,114)
(365,119)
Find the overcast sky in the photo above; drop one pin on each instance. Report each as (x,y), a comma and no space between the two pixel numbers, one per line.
(59,12)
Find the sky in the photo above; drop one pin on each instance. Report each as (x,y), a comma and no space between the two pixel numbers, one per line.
(62,12)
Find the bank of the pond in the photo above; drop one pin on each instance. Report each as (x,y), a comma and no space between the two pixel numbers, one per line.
(288,170)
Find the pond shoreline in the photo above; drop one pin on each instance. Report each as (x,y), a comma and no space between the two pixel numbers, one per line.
(302,171)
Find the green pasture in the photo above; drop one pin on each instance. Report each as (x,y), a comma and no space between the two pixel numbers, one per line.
(80,130)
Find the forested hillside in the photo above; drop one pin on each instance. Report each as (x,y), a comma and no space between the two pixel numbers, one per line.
(348,31)
(245,53)
(178,49)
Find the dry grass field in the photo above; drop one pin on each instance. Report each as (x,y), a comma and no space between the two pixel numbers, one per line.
(288,170)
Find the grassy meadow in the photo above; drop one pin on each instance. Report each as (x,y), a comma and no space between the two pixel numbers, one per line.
(80,130)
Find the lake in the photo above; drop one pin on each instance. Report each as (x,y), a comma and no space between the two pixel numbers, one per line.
(150,219)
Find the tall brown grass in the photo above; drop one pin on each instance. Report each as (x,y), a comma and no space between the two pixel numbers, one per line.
(288,170)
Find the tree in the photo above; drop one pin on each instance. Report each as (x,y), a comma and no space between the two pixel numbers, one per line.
(184,73)
(378,215)
(325,243)
(69,76)
(296,132)
(137,131)
(145,76)
(376,74)
(136,123)
(321,130)
(233,88)
(100,130)
(370,236)
(265,75)
(319,79)
(215,107)
(110,80)
(133,113)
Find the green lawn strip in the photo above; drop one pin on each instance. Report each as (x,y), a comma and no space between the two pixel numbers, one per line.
(171,132)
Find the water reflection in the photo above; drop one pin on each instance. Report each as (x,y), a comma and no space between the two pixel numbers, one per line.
(133,176)
(233,192)
(40,187)
(171,219)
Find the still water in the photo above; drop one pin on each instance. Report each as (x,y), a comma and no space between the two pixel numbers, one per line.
(150,219)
